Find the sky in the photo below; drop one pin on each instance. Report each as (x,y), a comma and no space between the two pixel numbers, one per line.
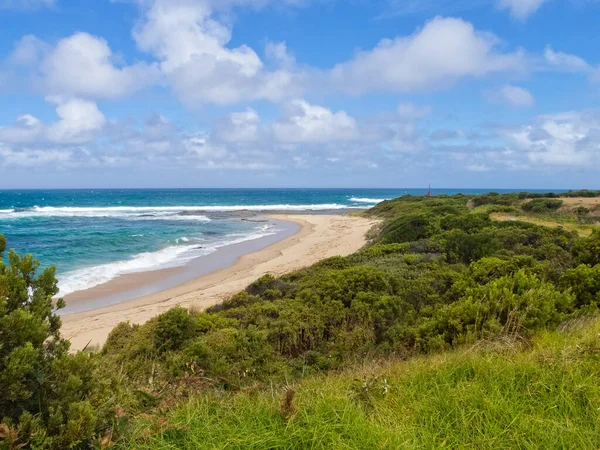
(300,93)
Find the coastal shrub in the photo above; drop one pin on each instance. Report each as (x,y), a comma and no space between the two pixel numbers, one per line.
(408,229)
(460,246)
(542,205)
(52,400)
(467,223)
(230,352)
(515,304)
(584,282)
(587,250)
(494,198)
(119,337)
(531,195)
(173,329)
(581,193)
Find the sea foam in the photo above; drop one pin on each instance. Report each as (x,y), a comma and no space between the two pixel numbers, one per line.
(169,257)
(368,200)
(156,212)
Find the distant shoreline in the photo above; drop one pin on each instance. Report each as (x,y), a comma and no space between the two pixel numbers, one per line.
(306,239)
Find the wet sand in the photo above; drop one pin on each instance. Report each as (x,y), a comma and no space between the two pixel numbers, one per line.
(92,314)
(135,285)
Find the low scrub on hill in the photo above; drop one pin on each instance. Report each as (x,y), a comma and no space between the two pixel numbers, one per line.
(506,394)
(439,275)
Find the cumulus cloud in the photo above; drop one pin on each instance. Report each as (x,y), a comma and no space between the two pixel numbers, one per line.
(191,47)
(303,135)
(83,65)
(569,139)
(442,52)
(79,122)
(193,56)
(303,122)
(238,127)
(28,51)
(278,53)
(515,96)
(521,9)
(80,65)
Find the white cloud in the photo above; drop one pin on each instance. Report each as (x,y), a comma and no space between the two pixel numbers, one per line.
(79,122)
(192,49)
(278,52)
(444,51)
(54,159)
(521,9)
(512,95)
(568,140)
(565,61)
(238,127)
(303,122)
(410,111)
(83,65)
(26,129)
(28,51)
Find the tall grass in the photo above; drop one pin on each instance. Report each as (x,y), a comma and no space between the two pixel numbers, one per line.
(503,395)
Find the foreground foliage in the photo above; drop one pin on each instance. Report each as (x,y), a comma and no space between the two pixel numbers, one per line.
(440,274)
(48,398)
(501,395)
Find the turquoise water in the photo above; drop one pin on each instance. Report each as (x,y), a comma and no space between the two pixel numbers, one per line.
(92,236)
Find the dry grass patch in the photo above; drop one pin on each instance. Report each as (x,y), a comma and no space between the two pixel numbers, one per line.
(582,230)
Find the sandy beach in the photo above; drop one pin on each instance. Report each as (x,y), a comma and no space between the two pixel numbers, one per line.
(319,237)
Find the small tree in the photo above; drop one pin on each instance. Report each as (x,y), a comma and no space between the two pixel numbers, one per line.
(44,391)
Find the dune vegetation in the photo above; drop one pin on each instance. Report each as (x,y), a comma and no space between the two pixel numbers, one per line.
(450,329)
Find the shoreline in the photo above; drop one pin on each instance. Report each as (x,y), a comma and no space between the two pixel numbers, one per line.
(128,287)
(319,236)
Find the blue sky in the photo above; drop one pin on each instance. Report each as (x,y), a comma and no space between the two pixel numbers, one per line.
(299,93)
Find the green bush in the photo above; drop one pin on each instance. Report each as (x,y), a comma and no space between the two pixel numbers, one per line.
(581,193)
(584,282)
(587,251)
(515,304)
(408,229)
(542,205)
(51,399)
(173,329)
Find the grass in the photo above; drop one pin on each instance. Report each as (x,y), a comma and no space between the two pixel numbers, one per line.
(503,395)
(566,222)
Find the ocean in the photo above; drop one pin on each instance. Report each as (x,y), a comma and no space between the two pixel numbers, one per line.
(93,236)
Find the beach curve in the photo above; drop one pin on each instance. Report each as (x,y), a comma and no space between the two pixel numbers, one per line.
(319,237)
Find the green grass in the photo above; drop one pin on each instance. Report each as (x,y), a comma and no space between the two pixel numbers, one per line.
(503,395)
(549,220)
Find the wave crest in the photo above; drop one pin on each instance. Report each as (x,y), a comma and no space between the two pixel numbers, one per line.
(169,257)
(368,200)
